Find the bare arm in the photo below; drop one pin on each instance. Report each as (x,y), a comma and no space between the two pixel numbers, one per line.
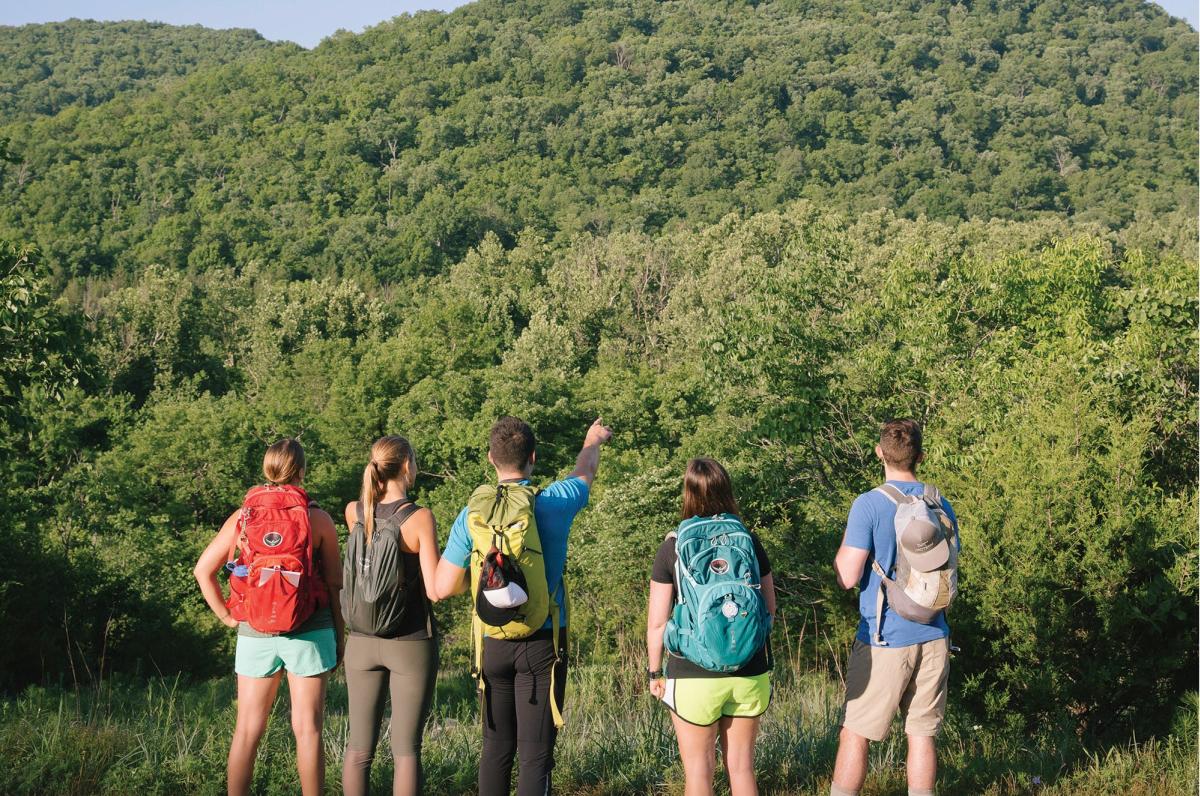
(420,536)
(657,614)
(211,561)
(326,544)
(768,593)
(849,564)
(588,461)
(449,580)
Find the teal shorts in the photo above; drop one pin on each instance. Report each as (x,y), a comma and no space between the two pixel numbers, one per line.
(302,654)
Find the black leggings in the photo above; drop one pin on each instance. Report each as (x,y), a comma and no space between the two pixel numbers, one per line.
(374,666)
(516,712)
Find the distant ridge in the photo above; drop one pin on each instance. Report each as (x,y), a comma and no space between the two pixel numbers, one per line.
(390,153)
(48,67)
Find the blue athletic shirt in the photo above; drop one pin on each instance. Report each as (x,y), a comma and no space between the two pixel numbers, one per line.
(872,527)
(554,510)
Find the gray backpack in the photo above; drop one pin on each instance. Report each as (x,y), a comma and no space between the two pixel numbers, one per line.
(374,587)
(924,581)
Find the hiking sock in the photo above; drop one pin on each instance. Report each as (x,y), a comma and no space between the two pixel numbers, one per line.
(834,790)
(920,792)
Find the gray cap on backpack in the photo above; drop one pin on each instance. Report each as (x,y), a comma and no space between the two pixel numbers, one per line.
(925,545)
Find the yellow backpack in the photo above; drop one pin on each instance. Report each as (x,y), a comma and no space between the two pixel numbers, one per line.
(510,598)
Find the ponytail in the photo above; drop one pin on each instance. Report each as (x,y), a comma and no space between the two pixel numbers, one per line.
(371,492)
(391,459)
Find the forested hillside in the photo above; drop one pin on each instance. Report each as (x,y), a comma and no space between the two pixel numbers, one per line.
(389,154)
(1055,374)
(746,230)
(81,63)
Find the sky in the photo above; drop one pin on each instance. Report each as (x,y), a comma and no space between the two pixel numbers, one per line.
(305,22)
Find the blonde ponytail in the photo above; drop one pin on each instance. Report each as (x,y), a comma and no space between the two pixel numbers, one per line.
(391,459)
(283,463)
(371,490)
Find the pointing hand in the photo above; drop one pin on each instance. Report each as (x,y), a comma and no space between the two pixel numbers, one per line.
(598,433)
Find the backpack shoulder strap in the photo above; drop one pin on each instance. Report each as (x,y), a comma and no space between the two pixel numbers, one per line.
(404,512)
(932,494)
(892,493)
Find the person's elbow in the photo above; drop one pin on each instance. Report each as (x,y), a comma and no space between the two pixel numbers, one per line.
(584,474)
(445,586)
(200,572)
(848,570)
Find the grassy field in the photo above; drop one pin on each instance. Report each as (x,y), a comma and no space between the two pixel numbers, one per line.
(169,736)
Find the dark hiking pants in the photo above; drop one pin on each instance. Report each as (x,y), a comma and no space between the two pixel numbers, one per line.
(516,712)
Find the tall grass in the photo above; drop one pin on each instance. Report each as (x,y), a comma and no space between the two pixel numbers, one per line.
(169,736)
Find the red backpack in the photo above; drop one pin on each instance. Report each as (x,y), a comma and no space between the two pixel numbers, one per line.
(274,585)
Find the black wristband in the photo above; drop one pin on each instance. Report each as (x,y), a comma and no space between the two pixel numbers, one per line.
(654,674)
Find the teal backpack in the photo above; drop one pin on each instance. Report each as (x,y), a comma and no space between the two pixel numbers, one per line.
(720,619)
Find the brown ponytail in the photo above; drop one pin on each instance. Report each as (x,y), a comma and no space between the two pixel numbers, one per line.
(392,459)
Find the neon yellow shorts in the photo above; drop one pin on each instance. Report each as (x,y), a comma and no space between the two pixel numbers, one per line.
(704,700)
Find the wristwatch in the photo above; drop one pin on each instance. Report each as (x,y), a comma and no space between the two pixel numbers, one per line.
(654,674)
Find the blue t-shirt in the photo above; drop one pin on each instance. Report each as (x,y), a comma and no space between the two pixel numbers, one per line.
(872,527)
(554,510)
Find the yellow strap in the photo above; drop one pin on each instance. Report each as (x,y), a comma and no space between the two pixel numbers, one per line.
(477,668)
(555,710)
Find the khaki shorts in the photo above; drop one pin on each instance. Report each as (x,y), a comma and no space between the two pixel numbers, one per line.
(881,680)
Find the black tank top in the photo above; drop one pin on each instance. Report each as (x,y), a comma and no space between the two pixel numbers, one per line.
(418,614)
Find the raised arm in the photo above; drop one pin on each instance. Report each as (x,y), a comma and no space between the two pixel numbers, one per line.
(211,561)
(588,460)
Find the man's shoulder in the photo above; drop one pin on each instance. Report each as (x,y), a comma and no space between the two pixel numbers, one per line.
(570,488)
(870,500)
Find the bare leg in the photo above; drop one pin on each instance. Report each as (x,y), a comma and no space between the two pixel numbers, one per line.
(850,770)
(698,750)
(922,762)
(256,695)
(308,713)
(737,747)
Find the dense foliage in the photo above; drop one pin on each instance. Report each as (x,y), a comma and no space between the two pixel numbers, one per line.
(751,231)
(46,68)
(1055,373)
(391,153)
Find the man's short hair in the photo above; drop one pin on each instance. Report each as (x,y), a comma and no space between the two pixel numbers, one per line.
(900,441)
(511,443)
